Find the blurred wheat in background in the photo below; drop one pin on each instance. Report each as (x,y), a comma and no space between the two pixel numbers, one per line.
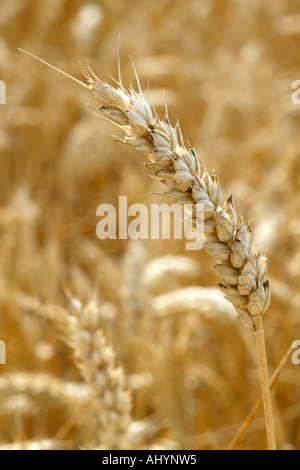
(119,344)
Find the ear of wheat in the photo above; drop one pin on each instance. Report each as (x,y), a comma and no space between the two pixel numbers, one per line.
(96,362)
(241,268)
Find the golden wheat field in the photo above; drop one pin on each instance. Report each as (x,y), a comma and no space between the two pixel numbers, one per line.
(130,344)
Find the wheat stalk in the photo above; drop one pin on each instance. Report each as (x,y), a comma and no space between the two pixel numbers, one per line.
(241,268)
(246,423)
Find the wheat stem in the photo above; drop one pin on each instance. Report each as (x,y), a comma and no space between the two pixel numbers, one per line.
(248,420)
(263,368)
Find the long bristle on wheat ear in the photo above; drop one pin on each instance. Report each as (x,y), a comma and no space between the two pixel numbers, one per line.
(240,267)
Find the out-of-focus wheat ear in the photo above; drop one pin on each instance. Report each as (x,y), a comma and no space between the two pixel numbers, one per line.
(206,302)
(46,388)
(96,361)
(41,444)
(162,274)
